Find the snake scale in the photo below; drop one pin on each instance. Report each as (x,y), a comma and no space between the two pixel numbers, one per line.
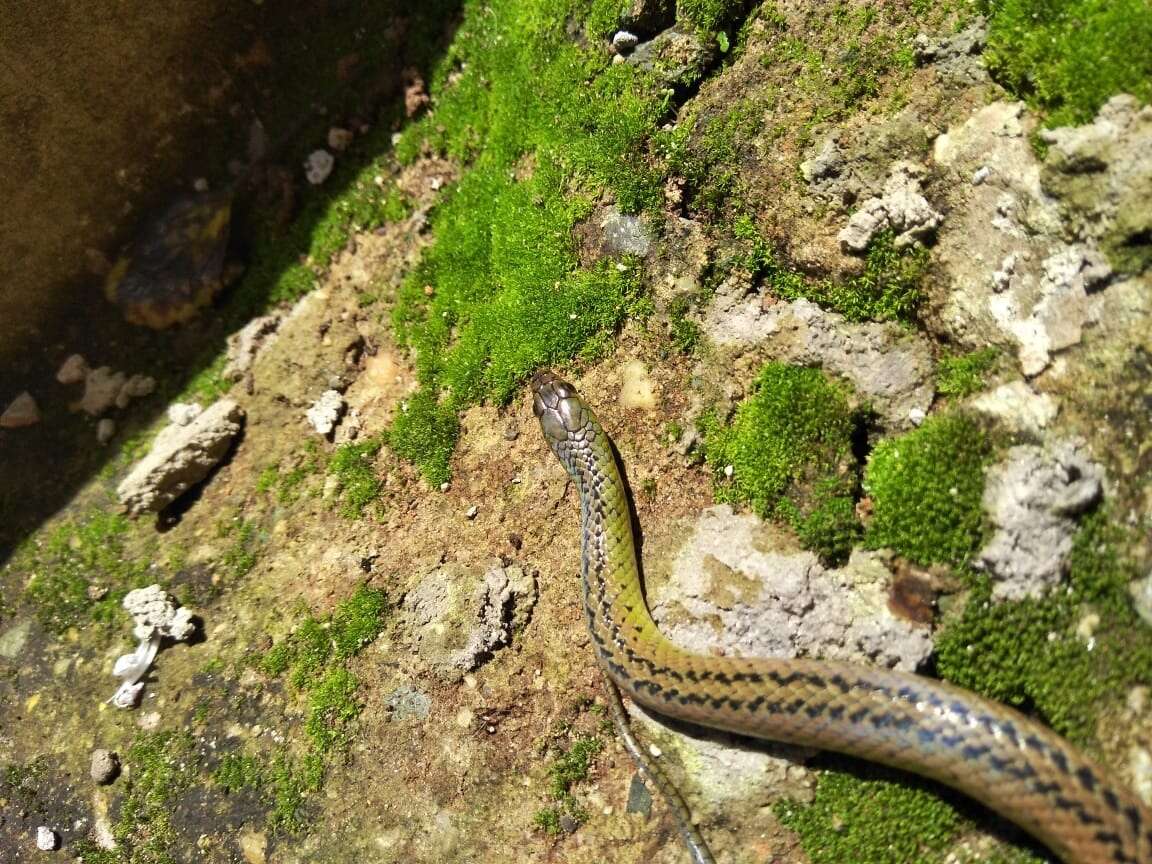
(992,753)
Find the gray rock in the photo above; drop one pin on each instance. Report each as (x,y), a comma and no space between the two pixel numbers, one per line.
(890,366)
(46,839)
(624,234)
(101,388)
(902,208)
(956,56)
(246,344)
(181,456)
(326,412)
(13,640)
(105,766)
(1101,176)
(677,59)
(458,616)
(739,589)
(408,703)
(649,16)
(1033,498)
(624,41)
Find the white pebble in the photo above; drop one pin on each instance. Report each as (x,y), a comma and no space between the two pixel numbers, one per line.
(73,370)
(472,511)
(981,175)
(105,429)
(46,839)
(916,416)
(318,166)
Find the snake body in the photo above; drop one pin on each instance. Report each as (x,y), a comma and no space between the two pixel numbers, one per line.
(994,754)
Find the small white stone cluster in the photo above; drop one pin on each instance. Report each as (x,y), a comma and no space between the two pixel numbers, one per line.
(157,617)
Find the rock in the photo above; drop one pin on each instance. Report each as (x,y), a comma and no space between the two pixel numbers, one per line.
(408,703)
(339,139)
(1141,591)
(101,388)
(902,208)
(105,766)
(957,55)
(676,59)
(458,616)
(46,839)
(73,370)
(183,413)
(105,429)
(134,388)
(326,412)
(636,389)
(21,411)
(732,591)
(649,16)
(624,41)
(1033,498)
(1018,407)
(1101,177)
(13,640)
(623,234)
(888,365)
(154,611)
(246,343)
(181,456)
(253,846)
(318,166)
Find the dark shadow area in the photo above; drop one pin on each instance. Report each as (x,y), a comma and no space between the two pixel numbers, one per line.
(297,68)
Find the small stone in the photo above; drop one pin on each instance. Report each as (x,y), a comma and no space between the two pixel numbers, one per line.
(318,166)
(917,416)
(200,184)
(639,798)
(624,42)
(105,429)
(46,839)
(636,390)
(21,411)
(445,486)
(134,388)
(73,370)
(105,766)
(101,388)
(339,139)
(183,413)
(982,173)
(472,511)
(326,412)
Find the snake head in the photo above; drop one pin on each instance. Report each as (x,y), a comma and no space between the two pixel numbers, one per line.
(560,410)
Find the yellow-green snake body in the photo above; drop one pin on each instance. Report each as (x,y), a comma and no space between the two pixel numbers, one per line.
(992,753)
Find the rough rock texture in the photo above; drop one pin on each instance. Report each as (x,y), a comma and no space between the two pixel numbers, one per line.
(101,388)
(1018,407)
(181,456)
(624,234)
(901,208)
(675,58)
(741,589)
(1101,177)
(889,366)
(154,612)
(326,411)
(247,342)
(1033,497)
(729,592)
(105,766)
(1022,271)
(956,57)
(458,616)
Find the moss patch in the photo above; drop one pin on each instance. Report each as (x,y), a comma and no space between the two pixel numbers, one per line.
(871,820)
(567,769)
(926,488)
(964,374)
(1068,57)
(80,556)
(789,451)
(353,467)
(546,127)
(162,767)
(1028,654)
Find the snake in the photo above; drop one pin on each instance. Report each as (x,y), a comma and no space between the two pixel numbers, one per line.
(994,754)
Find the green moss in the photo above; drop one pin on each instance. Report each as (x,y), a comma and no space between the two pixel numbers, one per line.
(1028,654)
(964,374)
(74,557)
(871,820)
(547,819)
(709,15)
(238,771)
(1067,57)
(545,128)
(789,448)
(357,621)
(567,769)
(162,766)
(926,488)
(243,551)
(352,466)
(332,706)
(424,433)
